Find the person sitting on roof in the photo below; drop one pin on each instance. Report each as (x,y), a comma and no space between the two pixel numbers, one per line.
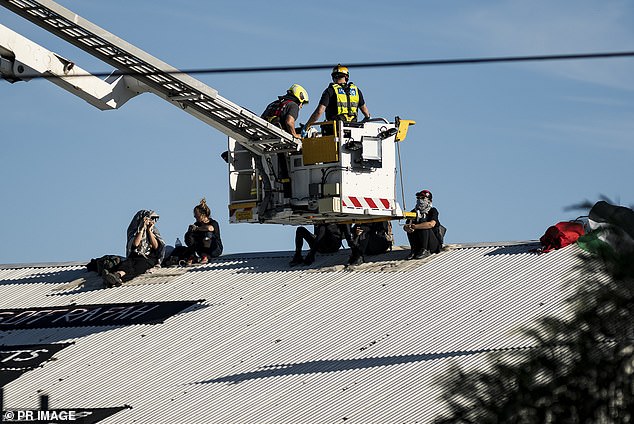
(422,231)
(202,239)
(145,249)
(326,239)
(370,239)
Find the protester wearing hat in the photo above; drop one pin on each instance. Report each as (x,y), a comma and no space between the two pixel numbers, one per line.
(145,249)
(422,231)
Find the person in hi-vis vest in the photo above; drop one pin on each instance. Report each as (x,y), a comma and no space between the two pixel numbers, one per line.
(341,100)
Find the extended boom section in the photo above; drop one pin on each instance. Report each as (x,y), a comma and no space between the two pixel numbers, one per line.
(344,173)
(164,80)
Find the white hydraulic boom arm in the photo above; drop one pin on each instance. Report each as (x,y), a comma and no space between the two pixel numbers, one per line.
(138,72)
(345,173)
(21,59)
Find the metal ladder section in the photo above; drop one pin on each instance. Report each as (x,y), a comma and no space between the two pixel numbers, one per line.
(195,97)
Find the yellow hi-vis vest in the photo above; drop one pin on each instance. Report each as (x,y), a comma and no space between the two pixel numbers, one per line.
(347,101)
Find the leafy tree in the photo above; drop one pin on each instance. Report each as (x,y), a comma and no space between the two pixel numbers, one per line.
(580,369)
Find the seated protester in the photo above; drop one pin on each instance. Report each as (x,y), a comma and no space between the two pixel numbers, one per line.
(144,250)
(202,239)
(326,239)
(370,239)
(422,231)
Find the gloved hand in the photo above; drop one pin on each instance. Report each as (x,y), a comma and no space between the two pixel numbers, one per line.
(303,131)
(366,118)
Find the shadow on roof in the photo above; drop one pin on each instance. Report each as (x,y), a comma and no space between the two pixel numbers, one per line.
(51,335)
(515,250)
(82,280)
(91,281)
(324,366)
(50,277)
(328,262)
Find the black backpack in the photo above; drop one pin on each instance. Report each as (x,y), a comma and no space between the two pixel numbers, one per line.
(106,262)
(441,233)
(273,111)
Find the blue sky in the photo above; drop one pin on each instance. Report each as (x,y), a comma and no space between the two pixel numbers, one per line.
(503,147)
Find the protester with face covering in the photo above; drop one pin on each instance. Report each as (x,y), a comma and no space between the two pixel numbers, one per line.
(422,231)
(145,249)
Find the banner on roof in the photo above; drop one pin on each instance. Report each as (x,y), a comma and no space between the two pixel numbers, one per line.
(91,315)
(15,360)
(27,356)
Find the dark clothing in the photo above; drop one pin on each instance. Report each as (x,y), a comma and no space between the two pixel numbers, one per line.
(329,100)
(106,262)
(144,248)
(374,239)
(205,242)
(135,265)
(179,253)
(428,239)
(279,110)
(198,243)
(421,240)
(326,238)
(142,257)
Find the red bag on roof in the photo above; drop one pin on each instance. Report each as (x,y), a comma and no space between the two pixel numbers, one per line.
(561,235)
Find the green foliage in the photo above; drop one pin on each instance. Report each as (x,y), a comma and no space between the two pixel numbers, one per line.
(580,370)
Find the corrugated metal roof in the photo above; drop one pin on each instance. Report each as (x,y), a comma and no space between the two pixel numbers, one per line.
(273,344)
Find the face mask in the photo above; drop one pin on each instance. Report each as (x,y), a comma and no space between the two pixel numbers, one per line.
(423,204)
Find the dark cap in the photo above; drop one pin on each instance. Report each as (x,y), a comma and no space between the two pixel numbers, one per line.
(424,193)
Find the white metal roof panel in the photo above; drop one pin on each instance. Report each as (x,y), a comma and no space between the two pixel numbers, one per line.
(272,344)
